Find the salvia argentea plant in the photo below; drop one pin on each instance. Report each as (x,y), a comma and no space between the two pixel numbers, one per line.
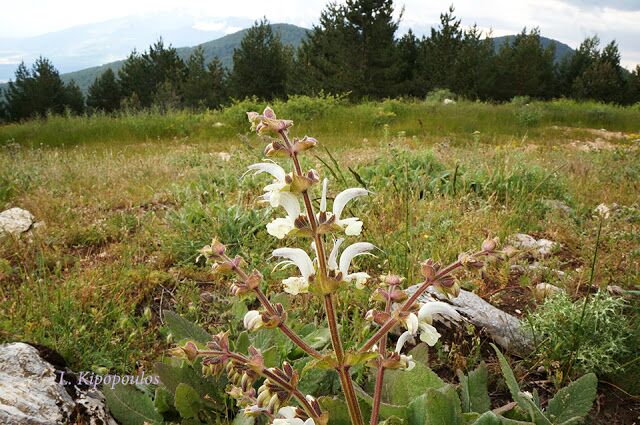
(274,391)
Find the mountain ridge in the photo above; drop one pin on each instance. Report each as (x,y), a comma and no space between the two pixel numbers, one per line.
(223,47)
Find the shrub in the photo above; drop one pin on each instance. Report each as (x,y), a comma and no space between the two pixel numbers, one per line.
(572,335)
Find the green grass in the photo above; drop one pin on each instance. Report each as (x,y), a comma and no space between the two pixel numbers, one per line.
(128,200)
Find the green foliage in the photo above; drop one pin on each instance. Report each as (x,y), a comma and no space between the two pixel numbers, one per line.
(436,407)
(595,341)
(104,93)
(183,329)
(131,406)
(351,50)
(570,405)
(573,401)
(474,391)
(260,65)
(40,91)
(204,85)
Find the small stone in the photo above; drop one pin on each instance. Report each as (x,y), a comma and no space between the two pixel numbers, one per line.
(523,241)
(544,290)
(615,290)
(556,205)
(15,221)
(546,247)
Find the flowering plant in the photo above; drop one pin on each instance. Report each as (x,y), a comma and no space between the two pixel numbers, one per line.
(321,274)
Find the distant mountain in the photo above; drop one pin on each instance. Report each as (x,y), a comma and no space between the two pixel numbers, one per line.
(222,48)
(89,45)
(562,49)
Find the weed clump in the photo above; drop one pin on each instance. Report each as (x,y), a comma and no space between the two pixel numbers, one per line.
(579,337)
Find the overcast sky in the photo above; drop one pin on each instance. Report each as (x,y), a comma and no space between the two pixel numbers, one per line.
(569,21)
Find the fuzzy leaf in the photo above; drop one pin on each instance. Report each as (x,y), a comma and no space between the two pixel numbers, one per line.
(401,387)
(574,400)
(183,329)
(510,379)
(436,407)
(538,417)
(242,342)
(487,418)
(163,400)
(338,411)
(130,406)
(187,401)
(172,376)
(474,390)
(392,420)
(386,410)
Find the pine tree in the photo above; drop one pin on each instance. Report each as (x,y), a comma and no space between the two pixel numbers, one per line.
(473,72)
(324,61)
(603,79)
(104,93)
(441,52)
(572,66)
(525,68)
(634,86)
(73,98)
(135,80)
(408,56)
(204,85)
(352,50)
(158,68)
(36,92)
(260,65)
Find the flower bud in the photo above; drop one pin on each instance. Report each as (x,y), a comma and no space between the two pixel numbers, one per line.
(305,144)
(429,270)
(253,320)
(189,351)
(489,244)
(392,279)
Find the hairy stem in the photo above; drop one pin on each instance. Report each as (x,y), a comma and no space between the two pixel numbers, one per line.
(343,370)
(266,373)
(271,309)
(382,351)
(406,307)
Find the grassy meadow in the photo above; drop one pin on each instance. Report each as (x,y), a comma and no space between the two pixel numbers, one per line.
(126,202)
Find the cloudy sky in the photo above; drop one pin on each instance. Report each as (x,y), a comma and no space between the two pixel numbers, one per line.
(569,21)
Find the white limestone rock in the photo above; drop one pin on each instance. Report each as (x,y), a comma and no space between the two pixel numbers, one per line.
(15,221)
(29,392)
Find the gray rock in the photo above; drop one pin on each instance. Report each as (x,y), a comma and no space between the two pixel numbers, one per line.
(554,204)
(506,330)
(15,221)
(544,290)
(539,247)
(30,393)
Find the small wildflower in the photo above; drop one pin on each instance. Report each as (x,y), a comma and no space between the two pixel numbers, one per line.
(253,320)
(603,211)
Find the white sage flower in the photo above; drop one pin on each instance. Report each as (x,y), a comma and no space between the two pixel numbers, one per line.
(287,416)
(276,171)
(352,225)
(253,320)
(295,256)
(349,253)
(422,323)
(281,226)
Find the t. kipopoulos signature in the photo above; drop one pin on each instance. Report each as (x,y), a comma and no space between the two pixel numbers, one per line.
(91,379)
